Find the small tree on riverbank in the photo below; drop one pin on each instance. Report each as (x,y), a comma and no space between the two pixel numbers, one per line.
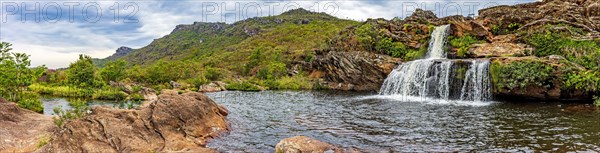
(82,73)
(16,76)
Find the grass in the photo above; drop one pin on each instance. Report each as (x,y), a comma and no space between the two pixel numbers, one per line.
(31,101)
(463,44)
(109,94)
(242,86)
(63,91)
(294,83)
(43,141)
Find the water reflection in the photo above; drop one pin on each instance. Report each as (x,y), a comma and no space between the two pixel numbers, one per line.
(53,102)
(260,119)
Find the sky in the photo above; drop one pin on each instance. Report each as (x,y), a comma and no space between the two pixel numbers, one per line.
(54,33)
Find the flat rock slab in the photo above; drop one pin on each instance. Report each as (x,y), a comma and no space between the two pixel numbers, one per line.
(22,130)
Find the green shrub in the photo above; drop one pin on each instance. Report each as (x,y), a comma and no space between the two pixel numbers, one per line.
(274,70)
(31,101)
(242,86)
(521,74)
(394,49)
(582,80)
(136,88)
(463,44)
(197,81)
(597,101)
(136,97)
(585,53)
(294,83)
(514,26)
(109,94)
(212,74)
(415,54)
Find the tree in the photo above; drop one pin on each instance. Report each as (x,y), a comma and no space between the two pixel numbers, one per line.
(113,71)
(82,73)
(16,76)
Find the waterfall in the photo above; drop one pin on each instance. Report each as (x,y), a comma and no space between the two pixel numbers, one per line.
(438,78)
(438,42)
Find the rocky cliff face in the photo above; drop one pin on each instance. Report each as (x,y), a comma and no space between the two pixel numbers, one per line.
(360,71)
(172,123)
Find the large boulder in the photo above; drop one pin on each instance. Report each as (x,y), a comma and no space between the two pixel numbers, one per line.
(174,122)
(360,71)
(22,130)
(499,49)
(303,144)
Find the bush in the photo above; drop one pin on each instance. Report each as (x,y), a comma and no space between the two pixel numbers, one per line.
(597,101)
(136,97)
(585,53)
(415,54)
(213,74)
(109,94)
(463,44)
(582,80)
(242,86)
(197,81)
(31,101)
(521,74)
(294,83)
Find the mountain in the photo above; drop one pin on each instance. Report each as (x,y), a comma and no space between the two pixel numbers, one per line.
(120,52)
(293,32)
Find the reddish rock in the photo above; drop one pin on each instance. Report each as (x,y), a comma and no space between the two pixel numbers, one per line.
(22,130)
(173,123)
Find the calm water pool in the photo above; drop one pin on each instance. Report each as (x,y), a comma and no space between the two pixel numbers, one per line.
(376,124)
(261,119)
(51,102)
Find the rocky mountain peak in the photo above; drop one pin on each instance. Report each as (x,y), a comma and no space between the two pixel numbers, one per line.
(298,11)
(422,14)
(123,50)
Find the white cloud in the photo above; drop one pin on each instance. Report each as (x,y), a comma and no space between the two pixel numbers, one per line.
(58,44)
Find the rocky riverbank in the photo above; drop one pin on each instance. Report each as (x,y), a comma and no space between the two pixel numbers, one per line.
(173,122)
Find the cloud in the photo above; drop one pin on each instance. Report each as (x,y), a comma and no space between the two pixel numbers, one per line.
(56,43)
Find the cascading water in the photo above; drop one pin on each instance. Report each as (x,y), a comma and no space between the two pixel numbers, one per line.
(439,78)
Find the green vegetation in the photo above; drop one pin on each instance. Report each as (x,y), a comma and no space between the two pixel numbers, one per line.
(583,80)
(463,44)
(63,91)
(31,101)
(521,74)
(374,40)
(43,141)
(113,71)
(82,73)
(109,94)
(136,97)
(79,110)
(16,76)
(242,86)
(585,52)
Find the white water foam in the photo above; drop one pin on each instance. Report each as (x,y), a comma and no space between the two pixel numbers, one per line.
(435,79)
